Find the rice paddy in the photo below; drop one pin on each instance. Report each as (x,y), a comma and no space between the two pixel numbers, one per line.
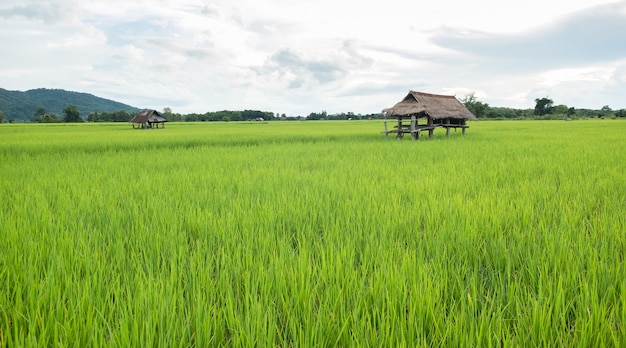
(318,233)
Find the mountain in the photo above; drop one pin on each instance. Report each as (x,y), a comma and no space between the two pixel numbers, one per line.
(17,105)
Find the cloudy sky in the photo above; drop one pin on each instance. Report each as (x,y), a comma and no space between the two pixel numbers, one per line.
(298,57)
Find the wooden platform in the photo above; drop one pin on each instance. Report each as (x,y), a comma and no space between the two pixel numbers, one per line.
(414,129)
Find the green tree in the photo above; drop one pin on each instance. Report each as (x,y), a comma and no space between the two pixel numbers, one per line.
(560,109)
(1,116)
(41,112)
(543,106)
(167,112)
(71,114)
(121,116)
(479,109)
(317,116)
(571,112)
(50,118)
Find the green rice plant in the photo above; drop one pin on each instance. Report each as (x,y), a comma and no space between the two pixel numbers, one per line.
(320,233)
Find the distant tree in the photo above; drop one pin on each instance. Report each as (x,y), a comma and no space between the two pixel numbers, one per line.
(50,118)
(505,113)
(606,111)
(560,110)
(318,116)
(191,117)
(571,112)
(176,117)
(121,116)
(71,114)
(479,109)
(40,113)
(171,116)
(620,113)
(1,116)
(543,106)
(247,115)
(168,114)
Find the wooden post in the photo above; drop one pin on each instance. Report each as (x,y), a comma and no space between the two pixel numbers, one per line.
(386,132)
(447,131)
(413,132)
(463,130)
(399,136)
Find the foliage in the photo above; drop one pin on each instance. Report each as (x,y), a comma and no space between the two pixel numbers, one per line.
(50,118)
(543,106)
(544,110)
(508,113)
(478,109)
(317,116)
(1,116)
(41,116)
(306,234)
(71,114)
(117,116)
(22,105)
(560,109)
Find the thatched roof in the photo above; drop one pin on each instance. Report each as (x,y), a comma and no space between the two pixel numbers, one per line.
(146,115)
(435,106)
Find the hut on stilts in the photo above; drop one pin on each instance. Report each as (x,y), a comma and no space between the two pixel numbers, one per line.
(419,112)
(146,119)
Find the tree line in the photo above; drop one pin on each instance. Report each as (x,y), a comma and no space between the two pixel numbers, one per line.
(70,114)
(545,109)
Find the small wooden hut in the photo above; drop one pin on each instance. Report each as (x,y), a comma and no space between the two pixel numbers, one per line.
(419,112)
(146,119)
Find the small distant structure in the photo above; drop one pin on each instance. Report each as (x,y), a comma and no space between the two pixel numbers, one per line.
(147,118)
(436,111)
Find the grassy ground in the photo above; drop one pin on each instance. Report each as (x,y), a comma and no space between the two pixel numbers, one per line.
(313,234)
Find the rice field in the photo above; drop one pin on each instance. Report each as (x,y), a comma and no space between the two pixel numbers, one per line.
(318,233)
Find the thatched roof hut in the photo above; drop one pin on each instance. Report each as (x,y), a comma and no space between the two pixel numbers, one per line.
(148,119)
(440,111)
(434,106)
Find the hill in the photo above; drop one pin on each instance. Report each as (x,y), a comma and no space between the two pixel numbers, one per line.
(22,106)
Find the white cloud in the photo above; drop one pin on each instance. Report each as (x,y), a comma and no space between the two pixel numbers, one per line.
(297,56)
(587,74)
